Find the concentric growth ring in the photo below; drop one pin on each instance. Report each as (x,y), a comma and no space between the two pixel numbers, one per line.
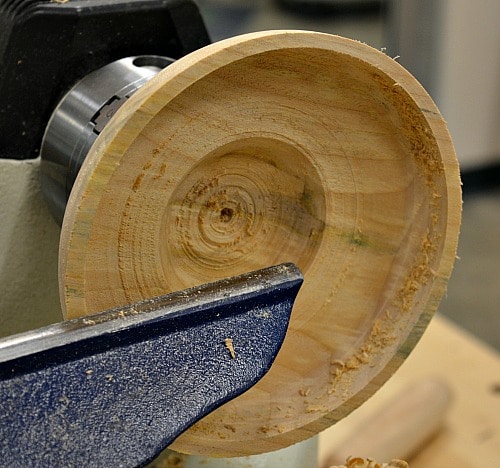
(267,148)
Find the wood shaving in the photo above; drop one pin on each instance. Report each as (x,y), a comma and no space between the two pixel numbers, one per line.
(358,462)
(304,391)
(381,336)
(316,409)
(275,428)
(264,429)
(228,342)
(230,427)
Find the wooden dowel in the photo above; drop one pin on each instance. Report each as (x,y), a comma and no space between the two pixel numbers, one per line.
(400,427)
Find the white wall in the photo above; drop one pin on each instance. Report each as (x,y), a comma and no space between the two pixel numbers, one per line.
(468,80)
(29,242)
(453,48)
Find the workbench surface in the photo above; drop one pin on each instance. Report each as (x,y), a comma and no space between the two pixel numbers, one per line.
(470,436)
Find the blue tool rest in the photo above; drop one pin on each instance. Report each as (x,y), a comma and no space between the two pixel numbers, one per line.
(116,388)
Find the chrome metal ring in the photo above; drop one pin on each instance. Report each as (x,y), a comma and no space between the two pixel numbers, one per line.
(81,115)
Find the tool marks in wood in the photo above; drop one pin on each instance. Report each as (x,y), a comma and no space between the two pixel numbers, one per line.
(261,149)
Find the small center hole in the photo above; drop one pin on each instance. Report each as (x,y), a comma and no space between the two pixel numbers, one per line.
(226,214)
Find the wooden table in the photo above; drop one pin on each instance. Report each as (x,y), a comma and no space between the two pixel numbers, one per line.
(470,436)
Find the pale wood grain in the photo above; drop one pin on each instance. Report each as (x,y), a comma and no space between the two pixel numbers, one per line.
(272,147)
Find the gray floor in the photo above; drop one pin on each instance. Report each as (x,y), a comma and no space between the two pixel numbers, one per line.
(473,298)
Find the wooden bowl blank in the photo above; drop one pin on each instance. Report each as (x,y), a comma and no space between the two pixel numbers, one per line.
(261,149)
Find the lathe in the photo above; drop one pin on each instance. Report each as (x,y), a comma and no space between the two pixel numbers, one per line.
(198,187)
